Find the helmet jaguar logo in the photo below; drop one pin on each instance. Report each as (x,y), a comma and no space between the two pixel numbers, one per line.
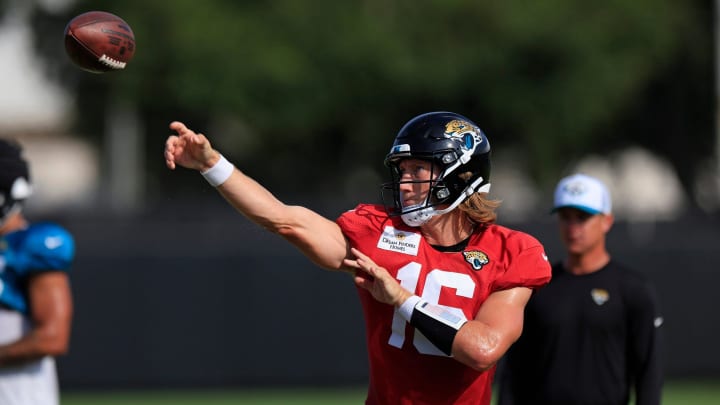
(400,236)
(464,129)
(476,258)
(456,127)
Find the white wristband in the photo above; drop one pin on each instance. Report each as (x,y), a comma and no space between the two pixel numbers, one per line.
(406,309)
(219,173)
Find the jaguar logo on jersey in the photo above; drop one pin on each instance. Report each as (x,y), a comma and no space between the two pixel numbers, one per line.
(399,241)
(599,295)
(476,258)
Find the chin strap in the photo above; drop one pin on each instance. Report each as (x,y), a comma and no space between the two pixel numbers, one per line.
(419,217)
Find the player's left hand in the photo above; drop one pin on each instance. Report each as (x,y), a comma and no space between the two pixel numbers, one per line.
(189,149)
(383,287)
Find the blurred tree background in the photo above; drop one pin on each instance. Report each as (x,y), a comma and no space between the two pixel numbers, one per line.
(307,96)
(318,89)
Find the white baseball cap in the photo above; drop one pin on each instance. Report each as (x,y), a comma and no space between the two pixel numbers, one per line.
(583,192)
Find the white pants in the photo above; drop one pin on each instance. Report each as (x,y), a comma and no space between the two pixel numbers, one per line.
(33,383)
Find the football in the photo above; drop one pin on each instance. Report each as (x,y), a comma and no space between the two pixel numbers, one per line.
(98,42)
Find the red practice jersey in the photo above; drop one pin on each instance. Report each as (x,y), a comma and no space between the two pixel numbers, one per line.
(405,368)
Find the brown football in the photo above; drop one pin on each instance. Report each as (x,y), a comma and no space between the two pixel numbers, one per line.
(98,42)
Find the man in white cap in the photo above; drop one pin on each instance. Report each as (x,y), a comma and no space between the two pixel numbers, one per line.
(591,336)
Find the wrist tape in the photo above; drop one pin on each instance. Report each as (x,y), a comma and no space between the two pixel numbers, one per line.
(435,322)
(219,173)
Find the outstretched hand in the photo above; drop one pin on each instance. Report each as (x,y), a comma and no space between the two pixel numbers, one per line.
(189,149)
(383,287)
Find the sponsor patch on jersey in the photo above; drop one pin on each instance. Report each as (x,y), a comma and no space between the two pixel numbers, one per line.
(399,241)
(476,258)
(599,295)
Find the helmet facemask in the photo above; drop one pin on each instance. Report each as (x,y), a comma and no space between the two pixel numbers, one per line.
(416,214)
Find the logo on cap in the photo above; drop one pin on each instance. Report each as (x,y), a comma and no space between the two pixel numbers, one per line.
(584,193)
(575,188)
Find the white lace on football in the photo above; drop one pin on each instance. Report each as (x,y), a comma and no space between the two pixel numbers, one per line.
(112,63)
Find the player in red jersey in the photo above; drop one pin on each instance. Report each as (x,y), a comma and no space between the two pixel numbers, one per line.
(443,288)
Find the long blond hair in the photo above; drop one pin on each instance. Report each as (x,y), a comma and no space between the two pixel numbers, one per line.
(480,208)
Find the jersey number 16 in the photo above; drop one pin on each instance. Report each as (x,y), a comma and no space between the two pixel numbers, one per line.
(408,275)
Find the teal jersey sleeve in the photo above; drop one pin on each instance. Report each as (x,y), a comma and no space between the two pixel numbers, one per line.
(38,248)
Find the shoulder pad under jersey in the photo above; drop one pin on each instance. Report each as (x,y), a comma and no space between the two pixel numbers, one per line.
(44,246)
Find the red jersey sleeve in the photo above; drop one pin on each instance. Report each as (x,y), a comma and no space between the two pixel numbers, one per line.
(362,223)
(526,264)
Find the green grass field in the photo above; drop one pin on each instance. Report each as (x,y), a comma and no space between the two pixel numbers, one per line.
(675,393)
(219,397)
